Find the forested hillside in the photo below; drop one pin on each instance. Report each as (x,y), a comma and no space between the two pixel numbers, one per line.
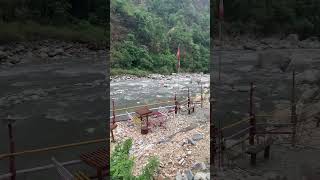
(270,17)
(75,20)
(145,35)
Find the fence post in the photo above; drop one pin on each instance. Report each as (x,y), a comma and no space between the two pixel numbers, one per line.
(293,110)
(252,118)
(214,131)
(12,150)
(188,101)
(176,104)
(201,95)
(113,119)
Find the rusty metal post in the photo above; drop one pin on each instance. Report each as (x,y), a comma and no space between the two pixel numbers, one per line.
(213,143)
(176,104)
(201,95)
(222,144)
(113,112)
(12,150)
(252,118)
(293,110)
(188,101)
(113,119)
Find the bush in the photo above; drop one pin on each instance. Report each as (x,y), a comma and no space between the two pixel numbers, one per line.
(18,31)
(121,164)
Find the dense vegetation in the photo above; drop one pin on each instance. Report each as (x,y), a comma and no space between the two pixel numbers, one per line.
(76,20)
(146,35)
(121,164)
(269,17)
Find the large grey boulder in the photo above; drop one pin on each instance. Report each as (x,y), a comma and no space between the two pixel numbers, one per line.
(308,76)
(3,55)
(293,38)
(272,59)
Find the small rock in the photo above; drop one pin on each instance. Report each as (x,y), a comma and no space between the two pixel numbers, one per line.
(3,55)
(43,55)
(181,161)
(90,130)
(271,176)
(178,176)
(202,176)
(199,166)
(160,177)
(190,141)
(189,152)
(189,174)
(197,137)
(292,38)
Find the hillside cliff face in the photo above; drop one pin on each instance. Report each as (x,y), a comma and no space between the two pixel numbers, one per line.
(145,34)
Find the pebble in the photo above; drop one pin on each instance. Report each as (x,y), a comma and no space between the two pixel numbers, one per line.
(199,166)
(189,174)
(178,176)
(202,176)
(190,141)
(197,137)
(181,161)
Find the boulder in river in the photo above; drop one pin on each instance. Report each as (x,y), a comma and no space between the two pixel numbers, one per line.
(308,76)
(3,55)
(293,38)
(273,59)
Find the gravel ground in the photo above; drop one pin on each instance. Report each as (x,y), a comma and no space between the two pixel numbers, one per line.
(170,145)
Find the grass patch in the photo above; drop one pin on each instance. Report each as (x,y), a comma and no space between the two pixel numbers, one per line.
(135,72)
(122,163)
(82,32)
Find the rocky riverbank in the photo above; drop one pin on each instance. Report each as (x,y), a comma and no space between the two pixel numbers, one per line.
(47,50)
(271,72)
(292,41)
(182,147)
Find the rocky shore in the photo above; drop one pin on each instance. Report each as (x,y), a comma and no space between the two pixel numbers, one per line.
(46,50)
(182,147)
(292,41)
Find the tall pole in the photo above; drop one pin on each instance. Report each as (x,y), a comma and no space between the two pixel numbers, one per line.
(113,120)
(113,112)
(252,118)
(221,15)
(201,94)
(220,39)
(175,103)
(293,110)
(188,101)
(12,150)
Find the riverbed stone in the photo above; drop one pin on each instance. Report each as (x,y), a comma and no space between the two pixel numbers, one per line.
(197,137)
(190,141)
(202,176)
(3,55)
(189,174)
(199,166)
(308,76)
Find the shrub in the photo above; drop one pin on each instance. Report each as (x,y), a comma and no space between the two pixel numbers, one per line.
(122,164)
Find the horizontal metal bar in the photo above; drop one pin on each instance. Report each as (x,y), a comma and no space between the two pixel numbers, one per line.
(275,124)
(39,168)
(268,132)
(243,130)
(119,115)
(2,156)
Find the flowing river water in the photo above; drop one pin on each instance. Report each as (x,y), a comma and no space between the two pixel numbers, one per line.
(65,101)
